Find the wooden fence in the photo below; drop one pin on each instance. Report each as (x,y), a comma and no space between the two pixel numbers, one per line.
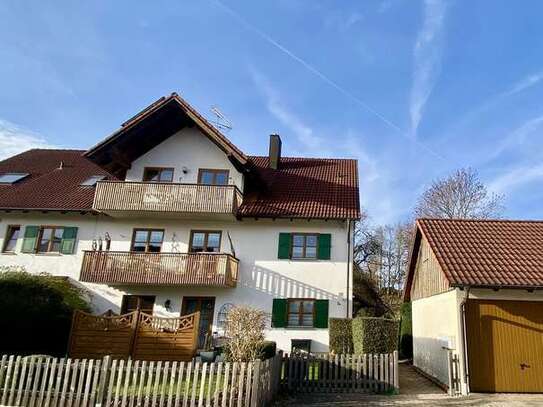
(136,334)
(341,373)
(453,367)
(43,381)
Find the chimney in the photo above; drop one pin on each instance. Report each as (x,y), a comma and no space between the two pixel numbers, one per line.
(275,151)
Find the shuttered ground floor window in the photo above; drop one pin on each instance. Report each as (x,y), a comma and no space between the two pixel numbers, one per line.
(144,303)
(299,313)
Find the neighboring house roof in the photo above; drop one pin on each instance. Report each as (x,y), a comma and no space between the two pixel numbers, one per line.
(484,253)
(321,188)
(150,127)
(50,185)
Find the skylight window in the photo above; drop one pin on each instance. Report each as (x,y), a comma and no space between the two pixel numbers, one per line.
(92,180)
(12,177)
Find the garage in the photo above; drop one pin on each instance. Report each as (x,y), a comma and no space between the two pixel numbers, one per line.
(505,345)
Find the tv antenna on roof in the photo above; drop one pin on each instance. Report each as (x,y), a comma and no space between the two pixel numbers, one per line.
(221,122)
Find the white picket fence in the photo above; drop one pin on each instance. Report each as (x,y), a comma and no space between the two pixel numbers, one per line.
(50,382)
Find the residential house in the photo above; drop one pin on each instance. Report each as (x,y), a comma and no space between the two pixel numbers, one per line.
(168,216)
(475,288)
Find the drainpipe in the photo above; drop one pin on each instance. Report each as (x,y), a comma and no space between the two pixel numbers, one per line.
(464,339)
(348,266)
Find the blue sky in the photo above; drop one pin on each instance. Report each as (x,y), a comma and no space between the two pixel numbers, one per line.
(412,89)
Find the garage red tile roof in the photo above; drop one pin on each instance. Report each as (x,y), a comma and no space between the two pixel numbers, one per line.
(48,186)
(321,188)
(494,253)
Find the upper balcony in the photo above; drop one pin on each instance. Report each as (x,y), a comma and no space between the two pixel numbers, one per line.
(141,268)
(130,198)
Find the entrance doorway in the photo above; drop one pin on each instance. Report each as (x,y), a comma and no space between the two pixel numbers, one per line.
(206,307)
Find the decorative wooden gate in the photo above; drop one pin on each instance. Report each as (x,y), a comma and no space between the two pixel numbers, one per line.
(136,335)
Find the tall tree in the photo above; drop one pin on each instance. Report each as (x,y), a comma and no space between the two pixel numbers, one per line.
(459,195)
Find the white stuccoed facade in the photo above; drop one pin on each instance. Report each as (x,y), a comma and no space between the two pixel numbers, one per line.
(262,276)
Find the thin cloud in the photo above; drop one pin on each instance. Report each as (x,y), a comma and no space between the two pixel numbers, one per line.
(427,60)
(516,178)
(15,139)
(360,103)
(523,84)
(518,137)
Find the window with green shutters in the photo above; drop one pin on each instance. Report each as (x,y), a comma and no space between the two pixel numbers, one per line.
(46,239)
(304,246)
(299,313)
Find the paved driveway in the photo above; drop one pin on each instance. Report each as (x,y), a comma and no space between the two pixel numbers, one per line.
(415,391)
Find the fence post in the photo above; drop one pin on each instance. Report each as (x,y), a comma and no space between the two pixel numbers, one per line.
(396,373)
(102,383)
(256,384)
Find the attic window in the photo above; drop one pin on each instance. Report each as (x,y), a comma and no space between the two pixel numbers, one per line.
(92,180)
(12,177)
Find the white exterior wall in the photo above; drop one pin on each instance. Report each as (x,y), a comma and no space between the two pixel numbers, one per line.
(187,148)
(262,277)
(436,324)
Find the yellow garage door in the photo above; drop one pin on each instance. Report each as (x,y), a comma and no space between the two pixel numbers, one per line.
(505,346)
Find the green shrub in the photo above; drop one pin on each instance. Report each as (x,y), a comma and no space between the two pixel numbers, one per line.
(340,335)
(374,335)
(406,332)
(268,349)
(36,313)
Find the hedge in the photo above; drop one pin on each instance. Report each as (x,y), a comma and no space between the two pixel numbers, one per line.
(374,335)
(340,335)
(36,313)
(406,332)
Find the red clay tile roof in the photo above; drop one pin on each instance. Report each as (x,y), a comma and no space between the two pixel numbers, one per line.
(47,186)
(321,188)
(493,253)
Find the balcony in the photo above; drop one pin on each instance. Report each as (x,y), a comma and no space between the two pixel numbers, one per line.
(128,198)
(181,269)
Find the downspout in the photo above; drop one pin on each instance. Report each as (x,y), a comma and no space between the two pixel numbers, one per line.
(348,266)
(464,339)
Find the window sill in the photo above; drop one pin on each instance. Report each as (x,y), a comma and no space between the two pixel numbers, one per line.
(9,254)
(299,328)
(48,254)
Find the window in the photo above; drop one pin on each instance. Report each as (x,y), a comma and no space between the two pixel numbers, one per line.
(205,241)
(92,180)
(300,312)
(158,174)
(10,241)
(147,240)
(144,303)
(12,177)
(212,177)
(50,239)
(304,246)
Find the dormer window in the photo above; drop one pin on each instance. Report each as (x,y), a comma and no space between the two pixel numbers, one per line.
(158,174)
(92,180)
(212,177)
(12,177)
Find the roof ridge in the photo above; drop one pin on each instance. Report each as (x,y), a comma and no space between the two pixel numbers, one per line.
(306,158)
(459,220)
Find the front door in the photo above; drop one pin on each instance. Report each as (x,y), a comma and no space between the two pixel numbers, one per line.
(206,307)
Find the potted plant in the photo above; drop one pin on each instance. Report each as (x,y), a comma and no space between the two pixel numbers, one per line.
(207,354)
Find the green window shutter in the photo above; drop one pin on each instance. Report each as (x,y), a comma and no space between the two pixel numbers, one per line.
(284,246)
(325,243)
(69,236)
(279,313)
(29,240)
(321,314)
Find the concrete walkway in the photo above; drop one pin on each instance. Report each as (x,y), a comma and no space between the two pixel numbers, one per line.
(415,390)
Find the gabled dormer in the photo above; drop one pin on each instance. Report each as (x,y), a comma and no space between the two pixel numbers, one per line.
(171,161)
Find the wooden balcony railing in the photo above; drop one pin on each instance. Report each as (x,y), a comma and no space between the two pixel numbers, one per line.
(123,196)
(187,269)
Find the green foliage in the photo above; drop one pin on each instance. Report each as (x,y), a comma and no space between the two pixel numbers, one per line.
(268,349)
(406,332)
(341,337)
(374,335)
(36,312)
